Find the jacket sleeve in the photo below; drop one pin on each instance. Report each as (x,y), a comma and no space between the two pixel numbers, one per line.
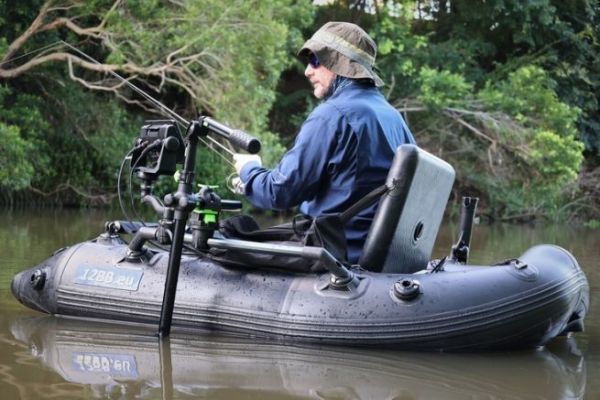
(301,171)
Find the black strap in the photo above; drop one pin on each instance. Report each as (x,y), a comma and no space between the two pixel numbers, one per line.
(363,203)
(369,199)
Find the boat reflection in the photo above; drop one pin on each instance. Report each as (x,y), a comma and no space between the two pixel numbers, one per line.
(128,362)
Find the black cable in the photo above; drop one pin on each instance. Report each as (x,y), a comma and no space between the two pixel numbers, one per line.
(153,242)
(439,266)
(119,182)
(142,155)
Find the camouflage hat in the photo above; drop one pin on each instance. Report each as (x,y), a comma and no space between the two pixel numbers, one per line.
(345,49)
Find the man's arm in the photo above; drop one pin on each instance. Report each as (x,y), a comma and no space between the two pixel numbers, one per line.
(299,174)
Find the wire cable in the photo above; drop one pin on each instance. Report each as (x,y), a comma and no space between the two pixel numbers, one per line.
(56,44)
(119,195)
(147,148)
(139,91)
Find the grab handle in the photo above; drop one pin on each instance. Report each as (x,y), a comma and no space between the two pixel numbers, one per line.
(236,137)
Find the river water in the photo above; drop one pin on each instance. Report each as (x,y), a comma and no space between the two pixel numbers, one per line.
(43,357)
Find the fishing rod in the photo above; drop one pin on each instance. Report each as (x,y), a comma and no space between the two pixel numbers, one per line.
(47,47)
(161,107)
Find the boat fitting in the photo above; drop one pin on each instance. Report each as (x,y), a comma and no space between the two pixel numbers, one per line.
(38,279)
(407,289)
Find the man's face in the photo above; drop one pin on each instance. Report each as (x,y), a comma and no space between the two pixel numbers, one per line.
(319,77)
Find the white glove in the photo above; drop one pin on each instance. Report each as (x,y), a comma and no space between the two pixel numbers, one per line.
(236,185)
(242,159)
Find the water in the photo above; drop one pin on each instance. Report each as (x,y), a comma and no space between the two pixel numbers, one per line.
(43,357)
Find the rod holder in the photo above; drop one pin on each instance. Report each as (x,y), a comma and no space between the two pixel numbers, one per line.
(460,250)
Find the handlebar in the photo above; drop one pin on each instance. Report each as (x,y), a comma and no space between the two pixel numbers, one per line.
(236,137)
(231,205)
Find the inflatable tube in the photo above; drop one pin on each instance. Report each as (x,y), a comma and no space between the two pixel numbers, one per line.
(523,303)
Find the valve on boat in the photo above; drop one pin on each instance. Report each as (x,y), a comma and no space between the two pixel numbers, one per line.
(460,251)
(407,289)
(38,279)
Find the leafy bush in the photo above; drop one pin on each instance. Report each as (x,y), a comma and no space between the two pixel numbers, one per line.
(15,169)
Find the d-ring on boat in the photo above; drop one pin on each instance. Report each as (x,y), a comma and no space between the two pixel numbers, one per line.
(395,297)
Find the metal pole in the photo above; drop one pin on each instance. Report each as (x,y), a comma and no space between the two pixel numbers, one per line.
(183,204)
(166,313)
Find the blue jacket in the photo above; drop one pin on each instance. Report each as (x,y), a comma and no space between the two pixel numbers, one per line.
(343,151)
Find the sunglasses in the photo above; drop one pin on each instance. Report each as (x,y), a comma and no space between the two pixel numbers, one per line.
(313,61)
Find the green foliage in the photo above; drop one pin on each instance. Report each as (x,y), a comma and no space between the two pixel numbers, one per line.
(214,72)
(15,169)
(400,52)
(237,50)
(21,125)
(555,159)
(93,132)
(497,37)
(505,90)
(442,88)
(529,95)
(550,156)
(593,224)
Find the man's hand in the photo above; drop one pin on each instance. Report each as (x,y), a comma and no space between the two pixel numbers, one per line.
(236,185)
(242,159)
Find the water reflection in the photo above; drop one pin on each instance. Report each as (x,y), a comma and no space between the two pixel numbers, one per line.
(127,362)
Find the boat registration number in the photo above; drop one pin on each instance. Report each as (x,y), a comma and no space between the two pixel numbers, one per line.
(116,365)
(111,277)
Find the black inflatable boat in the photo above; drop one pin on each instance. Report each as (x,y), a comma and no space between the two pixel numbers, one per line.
(396,296)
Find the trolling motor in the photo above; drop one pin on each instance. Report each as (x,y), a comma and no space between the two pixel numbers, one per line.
(460,250)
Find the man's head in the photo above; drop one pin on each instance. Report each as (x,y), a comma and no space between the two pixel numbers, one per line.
(320,77)
(342,48)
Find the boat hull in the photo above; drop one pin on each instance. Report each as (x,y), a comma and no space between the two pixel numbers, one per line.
(520,304)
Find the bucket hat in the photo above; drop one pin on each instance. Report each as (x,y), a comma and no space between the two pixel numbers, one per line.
(345,49)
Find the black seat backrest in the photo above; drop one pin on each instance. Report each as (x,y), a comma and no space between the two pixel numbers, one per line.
(408,217)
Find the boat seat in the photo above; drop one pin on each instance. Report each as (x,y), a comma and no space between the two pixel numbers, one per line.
(408,217)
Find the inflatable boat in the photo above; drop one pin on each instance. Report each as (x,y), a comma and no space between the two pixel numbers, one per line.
(394,297)
(127,360)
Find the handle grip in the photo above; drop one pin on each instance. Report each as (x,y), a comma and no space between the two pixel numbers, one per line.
(231,205)
(244,141)
(236,137)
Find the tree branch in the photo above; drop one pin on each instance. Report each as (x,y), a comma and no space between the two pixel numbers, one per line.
(32,30)
(68,23)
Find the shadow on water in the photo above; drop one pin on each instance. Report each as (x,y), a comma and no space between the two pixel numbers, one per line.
(113,361)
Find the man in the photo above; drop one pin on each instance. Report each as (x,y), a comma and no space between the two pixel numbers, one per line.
(345,148)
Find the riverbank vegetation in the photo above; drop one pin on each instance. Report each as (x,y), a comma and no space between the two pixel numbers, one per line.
(504,90)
